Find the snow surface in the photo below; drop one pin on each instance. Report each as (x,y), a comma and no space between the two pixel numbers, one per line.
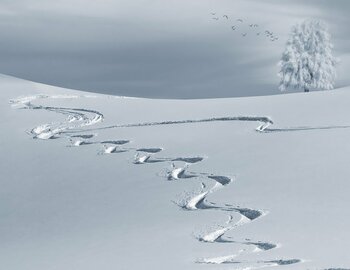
(246,183)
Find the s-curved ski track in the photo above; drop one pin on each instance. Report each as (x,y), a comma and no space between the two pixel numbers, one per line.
(78,120)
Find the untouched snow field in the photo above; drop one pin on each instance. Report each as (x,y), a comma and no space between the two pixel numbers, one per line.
(90,181)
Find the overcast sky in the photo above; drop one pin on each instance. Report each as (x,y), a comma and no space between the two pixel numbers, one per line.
(159,48)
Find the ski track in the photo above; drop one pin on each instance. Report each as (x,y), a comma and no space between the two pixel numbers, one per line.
(217,236)
(231,259)
(264,120)
(177,173)
(147,157)
(77,119)
(150,150)
(337,269)
(84,136)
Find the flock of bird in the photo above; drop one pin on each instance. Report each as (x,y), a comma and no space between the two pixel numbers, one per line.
(255,27)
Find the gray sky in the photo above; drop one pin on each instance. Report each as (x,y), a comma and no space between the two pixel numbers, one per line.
(163,49)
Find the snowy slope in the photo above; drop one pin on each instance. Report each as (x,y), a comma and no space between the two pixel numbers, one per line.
(98,182)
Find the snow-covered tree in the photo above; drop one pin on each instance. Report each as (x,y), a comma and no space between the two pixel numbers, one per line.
(307,61)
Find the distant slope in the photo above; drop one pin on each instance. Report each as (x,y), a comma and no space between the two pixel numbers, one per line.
(101,182)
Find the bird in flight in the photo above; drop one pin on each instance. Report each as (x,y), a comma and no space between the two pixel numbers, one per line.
(215,18)
(213,13)
(233,27)
(244,34)
(239,20)
(225,16)
(251,25)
